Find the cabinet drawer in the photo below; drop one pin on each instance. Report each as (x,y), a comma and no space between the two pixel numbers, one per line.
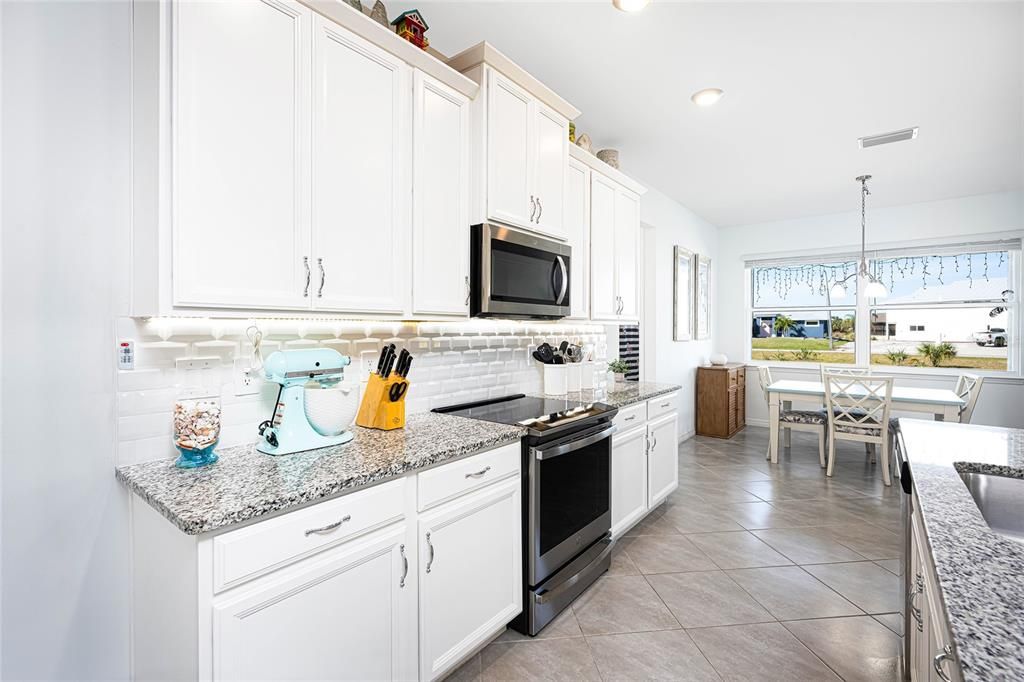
(451,480)
(248,552)
(629,417)
(663,404)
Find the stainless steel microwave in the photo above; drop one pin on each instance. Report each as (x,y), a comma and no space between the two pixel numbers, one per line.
(518,275)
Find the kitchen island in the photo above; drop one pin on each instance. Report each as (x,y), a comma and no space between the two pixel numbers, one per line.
(979,572)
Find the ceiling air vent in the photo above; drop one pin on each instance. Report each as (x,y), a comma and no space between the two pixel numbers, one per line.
(886,138)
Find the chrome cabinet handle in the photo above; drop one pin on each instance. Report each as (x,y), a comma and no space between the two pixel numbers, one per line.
(323,277)
(430,559)
(540,210)
(629,418)
(647,444)
(329,527)
(305,262)
(469,291)
(478,474)
(946,655)
(665,404)
(405,566)
(911,596)
(655,443)
(533,207)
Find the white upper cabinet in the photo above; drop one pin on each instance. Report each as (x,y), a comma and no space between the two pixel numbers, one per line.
(577,232)
(440,199)
(362,162)
(604,302)
(549,168)
(240,154)
(627,236)
(510,197)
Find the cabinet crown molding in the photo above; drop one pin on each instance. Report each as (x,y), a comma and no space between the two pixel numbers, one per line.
(583,156)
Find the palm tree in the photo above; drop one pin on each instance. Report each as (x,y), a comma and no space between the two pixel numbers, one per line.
(936,353)
(783,324)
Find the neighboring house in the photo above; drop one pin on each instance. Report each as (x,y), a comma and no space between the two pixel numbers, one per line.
(935,324)
(764,326)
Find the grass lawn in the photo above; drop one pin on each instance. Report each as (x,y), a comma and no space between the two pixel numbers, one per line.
(877,359)
(793,343)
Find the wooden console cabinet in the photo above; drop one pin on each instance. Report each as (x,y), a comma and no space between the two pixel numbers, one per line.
(721,400)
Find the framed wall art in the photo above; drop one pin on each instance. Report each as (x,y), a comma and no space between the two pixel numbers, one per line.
(682,294)
(702,299)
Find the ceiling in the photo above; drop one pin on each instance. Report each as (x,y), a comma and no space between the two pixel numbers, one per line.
(802,82)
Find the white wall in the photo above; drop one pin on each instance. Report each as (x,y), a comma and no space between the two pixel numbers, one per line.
(65,227)
(676,361)
(949,221)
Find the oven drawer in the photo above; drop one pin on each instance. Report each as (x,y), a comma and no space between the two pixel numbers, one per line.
(459,477)
(663,404)
(251,551)
(630,417)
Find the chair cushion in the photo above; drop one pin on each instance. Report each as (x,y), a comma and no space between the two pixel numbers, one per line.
(869,428)
(803,417)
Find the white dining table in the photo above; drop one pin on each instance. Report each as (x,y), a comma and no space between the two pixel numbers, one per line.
(942,403)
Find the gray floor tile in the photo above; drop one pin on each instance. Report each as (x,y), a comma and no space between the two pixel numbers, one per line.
(860,649)
(818,512)
(788,592)
(758,515)
(707,599)
(738,550)
(621,563)
(666,554)
(809,545)
(653,524)
(866,584)
(467,672)
(700,519)
(870,541)
(617,604)
(546,659)
(666,655)
(893,621)
(564,625)
(761,653)
(741,472)
(894,566)
(724,493)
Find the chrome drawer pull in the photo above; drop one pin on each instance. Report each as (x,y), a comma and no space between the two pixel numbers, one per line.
(533,210)
(666,404)
(946,655)
(478,474)
(329,527)
(430,559)
(405,566)
(629,418)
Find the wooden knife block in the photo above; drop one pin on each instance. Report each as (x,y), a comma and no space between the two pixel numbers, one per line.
(377,411)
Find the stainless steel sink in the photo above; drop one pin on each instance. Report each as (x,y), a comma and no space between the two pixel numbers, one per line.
(1001,501)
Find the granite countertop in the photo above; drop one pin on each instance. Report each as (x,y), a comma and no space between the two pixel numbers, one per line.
(245,484)
(980,572)
(624,393)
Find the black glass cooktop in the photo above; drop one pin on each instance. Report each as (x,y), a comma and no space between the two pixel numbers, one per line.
(540,415)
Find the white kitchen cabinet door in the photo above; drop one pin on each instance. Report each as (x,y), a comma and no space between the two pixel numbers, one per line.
(362,162)
(577,232)
(509,156)
(604,302)
(627,235)
(629,478)
(662,459)
(240,150)
(549,168)
(470,578)
(349,614)
(440,199)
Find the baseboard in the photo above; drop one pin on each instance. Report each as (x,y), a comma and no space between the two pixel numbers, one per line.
(757,422)
(687,436)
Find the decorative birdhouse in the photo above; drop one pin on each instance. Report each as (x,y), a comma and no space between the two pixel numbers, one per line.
(411,26)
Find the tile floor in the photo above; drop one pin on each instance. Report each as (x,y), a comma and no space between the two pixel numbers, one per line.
(750,571)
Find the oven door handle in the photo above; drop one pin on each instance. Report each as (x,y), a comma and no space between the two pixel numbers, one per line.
(548,453)
(548,595)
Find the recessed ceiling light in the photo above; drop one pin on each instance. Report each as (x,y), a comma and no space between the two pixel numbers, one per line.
(707,96)
(630,5)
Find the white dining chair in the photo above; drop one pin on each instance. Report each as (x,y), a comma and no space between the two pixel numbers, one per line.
(845,370)
(813,421)
(858,410)
(968,387)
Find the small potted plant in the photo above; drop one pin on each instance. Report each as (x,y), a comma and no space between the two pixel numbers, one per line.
(617,371)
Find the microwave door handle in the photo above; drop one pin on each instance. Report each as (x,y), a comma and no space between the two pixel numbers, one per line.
(565,280)
(548,453)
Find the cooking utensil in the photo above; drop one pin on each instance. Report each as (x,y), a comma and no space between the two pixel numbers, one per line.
(547,353)
(562,346)
(540,357)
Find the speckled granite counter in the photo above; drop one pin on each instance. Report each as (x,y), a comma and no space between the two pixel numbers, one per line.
(624,393)
(246,484)
(980,572)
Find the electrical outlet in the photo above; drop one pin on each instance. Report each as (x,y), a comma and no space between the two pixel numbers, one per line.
(247,379)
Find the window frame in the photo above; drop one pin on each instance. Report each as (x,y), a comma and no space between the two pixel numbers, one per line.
(863,305)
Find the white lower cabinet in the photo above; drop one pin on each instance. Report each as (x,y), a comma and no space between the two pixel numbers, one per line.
(470,574)
(645,462)
(349,614)
(360,587)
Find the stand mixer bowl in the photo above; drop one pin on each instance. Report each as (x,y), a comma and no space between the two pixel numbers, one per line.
(331,411)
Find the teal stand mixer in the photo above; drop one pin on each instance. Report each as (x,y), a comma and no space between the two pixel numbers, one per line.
(312,411)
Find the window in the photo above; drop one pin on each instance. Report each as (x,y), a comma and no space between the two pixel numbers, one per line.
(947,306)
(794,318)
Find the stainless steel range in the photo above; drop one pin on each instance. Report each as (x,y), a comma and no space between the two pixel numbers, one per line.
(566,497)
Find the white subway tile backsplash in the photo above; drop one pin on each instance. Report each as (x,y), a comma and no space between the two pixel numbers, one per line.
(454,362)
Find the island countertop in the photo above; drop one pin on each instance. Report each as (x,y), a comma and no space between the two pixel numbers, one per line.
(245,484)
(624,393)
(980,572)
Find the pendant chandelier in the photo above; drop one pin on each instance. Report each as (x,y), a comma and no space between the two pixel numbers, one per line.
(874,288)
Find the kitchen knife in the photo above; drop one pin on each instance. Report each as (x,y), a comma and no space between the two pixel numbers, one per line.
(403,357)
(389,365)
(381,360)
(408,365)
(389,356)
